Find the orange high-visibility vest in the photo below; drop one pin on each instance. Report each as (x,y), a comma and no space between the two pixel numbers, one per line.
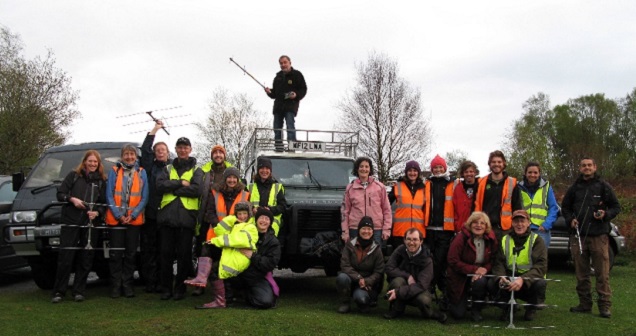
(506,199)
(409,212)
(449,209)
(221,211)
(133,199)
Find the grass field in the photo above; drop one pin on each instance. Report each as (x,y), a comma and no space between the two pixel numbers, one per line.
(307,307)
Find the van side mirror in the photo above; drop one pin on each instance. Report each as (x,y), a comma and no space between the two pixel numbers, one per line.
(17,179)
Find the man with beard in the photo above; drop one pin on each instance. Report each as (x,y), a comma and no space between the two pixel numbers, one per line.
(498,195)
(409,272)
(589,205)
(212,176)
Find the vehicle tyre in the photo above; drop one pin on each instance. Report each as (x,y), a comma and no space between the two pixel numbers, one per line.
(43,270)
(331,269)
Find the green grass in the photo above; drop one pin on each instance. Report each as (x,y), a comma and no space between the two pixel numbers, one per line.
(307,307)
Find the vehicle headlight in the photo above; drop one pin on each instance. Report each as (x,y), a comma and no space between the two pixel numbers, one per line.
(23,216)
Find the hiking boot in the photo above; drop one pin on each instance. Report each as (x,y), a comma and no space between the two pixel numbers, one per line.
(57,298)
(344,308)
(166,296)
(129,292)
(115,292)
(605,312)
(440,317)
(364,309)
(392,314)
(530,314)
(580,309)
(475,315)
(79,298)
(178,296)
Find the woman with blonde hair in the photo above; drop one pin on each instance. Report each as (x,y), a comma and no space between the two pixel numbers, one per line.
(471,252)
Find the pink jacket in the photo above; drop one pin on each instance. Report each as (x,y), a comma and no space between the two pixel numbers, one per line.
(372,201)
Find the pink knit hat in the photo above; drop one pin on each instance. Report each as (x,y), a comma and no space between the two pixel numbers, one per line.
(437,161)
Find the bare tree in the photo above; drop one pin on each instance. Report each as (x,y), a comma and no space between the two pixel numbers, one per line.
(231,121)
(387,112)
(454,159)
(37,104)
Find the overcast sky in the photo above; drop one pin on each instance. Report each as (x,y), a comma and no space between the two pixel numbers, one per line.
(476,62)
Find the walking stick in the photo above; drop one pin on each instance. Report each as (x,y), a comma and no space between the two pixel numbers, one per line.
(247,73)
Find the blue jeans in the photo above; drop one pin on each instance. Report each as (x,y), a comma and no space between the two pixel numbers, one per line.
(288,117)
(545,235)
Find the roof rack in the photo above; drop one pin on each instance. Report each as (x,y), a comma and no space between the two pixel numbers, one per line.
(316,142)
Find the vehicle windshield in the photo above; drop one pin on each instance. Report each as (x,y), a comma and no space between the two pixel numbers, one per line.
(308,172)
(54,167)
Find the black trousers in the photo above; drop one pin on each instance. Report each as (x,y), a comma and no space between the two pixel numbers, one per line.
(122,262)
(422,301)
(176,244)
(258,294)
(69,259)
(150,252)
(439,243)
(534,294)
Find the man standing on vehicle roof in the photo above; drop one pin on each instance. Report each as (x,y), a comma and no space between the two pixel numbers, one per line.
(180,185)
(287,90)
(212,176)
(589,205)
(498,195)
(267,192)
(153,160)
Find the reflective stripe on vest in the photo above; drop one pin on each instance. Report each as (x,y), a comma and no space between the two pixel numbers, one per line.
(524,259)
(409,212)
(134,197)
(449,208)
(190,203)
(537,207)
(506,200)
(255,199)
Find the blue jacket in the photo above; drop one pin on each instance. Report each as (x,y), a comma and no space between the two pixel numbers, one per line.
(112,179)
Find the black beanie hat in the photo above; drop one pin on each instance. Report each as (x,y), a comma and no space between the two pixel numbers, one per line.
(264,212)
(365,221)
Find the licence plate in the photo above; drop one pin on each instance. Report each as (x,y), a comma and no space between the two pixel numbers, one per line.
(46,231)
(308,146)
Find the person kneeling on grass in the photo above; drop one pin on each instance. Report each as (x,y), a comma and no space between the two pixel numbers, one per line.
(257,281)
(410,272)
(362,266)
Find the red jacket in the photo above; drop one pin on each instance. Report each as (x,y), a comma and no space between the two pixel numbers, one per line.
(461,261)
(463,205)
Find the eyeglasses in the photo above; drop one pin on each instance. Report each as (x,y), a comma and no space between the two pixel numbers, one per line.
(479,223)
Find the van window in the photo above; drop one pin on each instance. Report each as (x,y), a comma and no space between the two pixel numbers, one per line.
(54,167)
(6,192)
